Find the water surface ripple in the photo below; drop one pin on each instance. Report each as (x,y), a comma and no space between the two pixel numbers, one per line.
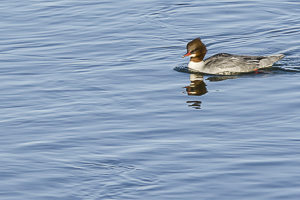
(91,107)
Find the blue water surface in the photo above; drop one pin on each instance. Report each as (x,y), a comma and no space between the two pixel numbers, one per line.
(92,108)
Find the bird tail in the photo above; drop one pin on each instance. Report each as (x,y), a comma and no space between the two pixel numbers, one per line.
(270,60)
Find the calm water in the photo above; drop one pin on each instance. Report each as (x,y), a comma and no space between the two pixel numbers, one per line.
(92,108)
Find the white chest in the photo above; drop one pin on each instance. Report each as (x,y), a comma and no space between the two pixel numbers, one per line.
(196,66)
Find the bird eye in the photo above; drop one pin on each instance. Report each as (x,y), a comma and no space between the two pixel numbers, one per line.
(192,52)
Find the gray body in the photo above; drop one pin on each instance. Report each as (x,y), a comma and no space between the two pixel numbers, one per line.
(224,63)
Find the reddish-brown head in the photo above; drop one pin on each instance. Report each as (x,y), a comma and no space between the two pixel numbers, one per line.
(196,50)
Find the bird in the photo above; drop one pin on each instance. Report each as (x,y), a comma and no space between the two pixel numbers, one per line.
(224,63)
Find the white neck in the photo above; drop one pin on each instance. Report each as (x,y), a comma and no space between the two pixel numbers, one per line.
(196,66)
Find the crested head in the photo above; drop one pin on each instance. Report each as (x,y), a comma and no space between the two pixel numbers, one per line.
(196,50)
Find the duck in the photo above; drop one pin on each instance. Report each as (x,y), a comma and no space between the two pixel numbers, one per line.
(224,63)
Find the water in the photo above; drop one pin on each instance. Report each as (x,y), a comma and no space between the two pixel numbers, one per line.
(92,108)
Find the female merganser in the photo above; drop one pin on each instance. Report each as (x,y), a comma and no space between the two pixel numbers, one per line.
(224,63)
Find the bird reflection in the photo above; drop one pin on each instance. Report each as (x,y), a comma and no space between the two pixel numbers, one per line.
(195,104)
(196,88)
